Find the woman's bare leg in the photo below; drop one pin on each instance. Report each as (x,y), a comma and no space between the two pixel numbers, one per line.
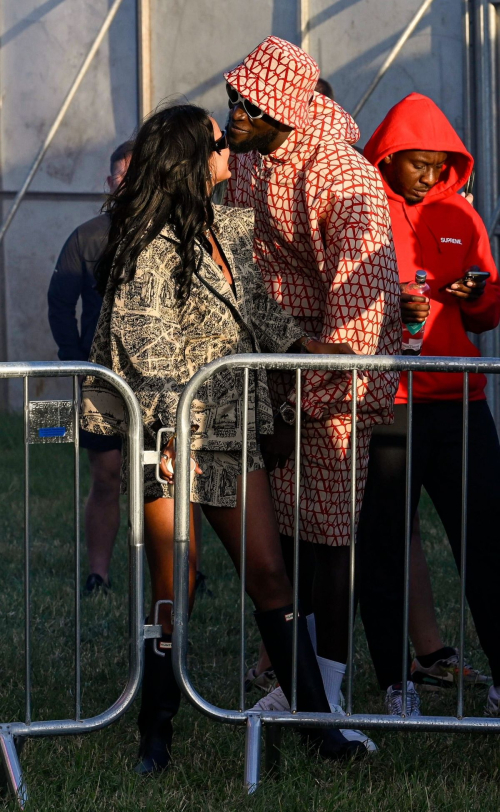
(423,626)
(159,544)
(267,583)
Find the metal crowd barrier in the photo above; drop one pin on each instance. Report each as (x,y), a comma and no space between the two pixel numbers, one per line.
(274,720)
(54,422)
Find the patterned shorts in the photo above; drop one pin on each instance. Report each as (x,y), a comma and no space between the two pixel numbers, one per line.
(325,483)
(216,486)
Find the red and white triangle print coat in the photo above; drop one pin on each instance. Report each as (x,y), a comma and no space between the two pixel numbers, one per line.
(323,243)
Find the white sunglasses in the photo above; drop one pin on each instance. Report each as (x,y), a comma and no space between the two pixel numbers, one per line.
(234,98)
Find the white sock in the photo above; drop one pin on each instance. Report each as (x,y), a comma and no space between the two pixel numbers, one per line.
(311,628)
(333,674)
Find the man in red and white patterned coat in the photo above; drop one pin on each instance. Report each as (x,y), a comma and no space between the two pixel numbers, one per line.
(323,243)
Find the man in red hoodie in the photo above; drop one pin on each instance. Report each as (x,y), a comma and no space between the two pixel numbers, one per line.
(423,164)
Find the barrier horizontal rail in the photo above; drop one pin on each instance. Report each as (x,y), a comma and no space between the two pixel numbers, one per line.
(16,731)
(252,719)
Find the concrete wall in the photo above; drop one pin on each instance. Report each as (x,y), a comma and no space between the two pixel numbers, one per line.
(43,46)
(192,43)
(195,41)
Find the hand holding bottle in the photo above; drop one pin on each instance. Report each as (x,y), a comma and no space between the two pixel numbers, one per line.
(414,312)
(414,308)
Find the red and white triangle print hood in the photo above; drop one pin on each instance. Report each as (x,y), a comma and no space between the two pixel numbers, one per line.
(332,121)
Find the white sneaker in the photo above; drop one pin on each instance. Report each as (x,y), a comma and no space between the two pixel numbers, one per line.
(493,703)
(277,701)
(394,700)
(354,735)
(273,701)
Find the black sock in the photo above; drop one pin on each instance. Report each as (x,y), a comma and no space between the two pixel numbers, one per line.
(441,654)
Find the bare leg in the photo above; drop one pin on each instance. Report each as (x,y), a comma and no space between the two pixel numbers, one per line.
(159,544)
(267,583)
(263,663)
(423,627)
(102,511)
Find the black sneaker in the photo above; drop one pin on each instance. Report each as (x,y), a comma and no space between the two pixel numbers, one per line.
(95,584)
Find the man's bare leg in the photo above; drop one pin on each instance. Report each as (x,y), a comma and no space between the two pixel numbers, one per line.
(102,511)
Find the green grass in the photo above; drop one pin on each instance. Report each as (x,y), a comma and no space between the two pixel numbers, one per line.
(417,771)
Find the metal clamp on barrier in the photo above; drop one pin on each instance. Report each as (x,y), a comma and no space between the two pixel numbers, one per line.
(157,625)
(154,457)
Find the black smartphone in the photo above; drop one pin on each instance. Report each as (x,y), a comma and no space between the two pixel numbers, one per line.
(472,274)
(470,183)
(475,275)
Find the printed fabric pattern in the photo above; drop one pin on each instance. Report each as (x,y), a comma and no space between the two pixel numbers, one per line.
(323,243)
(157,347)
(280,79)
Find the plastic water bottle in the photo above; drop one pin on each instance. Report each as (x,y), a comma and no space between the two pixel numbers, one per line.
(413,333)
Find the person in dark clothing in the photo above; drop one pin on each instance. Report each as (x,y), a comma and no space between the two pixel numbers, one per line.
(73,279)
(424,165)
(325,88)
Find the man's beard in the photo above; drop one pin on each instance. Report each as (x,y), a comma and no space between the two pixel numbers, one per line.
(259,143)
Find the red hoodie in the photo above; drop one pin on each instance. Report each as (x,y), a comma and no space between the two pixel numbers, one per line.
(442,235)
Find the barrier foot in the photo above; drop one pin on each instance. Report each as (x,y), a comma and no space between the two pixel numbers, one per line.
(272,758)
(252,753)
(12,767)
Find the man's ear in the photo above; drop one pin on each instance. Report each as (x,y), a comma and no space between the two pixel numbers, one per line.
(388,159)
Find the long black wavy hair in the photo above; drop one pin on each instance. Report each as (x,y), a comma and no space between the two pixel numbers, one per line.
(168,182)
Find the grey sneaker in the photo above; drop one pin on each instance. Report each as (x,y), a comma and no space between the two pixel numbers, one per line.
(493,703)
(277,701)
(394,700)
(266,681)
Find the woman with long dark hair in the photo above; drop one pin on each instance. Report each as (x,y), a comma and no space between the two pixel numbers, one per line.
(180,289)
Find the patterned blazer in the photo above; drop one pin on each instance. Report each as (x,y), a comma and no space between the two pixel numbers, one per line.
(157,346)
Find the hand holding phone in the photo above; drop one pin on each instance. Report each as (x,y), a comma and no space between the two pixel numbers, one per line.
(470,286)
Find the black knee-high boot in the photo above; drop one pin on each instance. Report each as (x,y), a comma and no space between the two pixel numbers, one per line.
(160,702)
(276,628)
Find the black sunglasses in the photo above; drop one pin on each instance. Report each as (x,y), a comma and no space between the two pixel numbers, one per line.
(235,98)
(221,143)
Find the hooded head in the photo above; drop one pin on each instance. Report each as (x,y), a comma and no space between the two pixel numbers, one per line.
(279,78)
(419,154)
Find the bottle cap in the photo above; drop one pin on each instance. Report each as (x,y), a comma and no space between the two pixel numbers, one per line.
(421,276)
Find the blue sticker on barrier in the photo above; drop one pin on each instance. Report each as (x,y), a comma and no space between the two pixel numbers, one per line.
(52,431)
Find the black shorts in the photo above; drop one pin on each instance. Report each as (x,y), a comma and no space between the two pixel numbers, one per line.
(100,442)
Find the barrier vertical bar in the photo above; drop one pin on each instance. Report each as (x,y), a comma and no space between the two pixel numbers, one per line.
(408,526)
(463,546)
(352,552)
(27,602)
(13,771)
(181,539)
(76,426)
(243,539)
(296,537)
(252,753)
